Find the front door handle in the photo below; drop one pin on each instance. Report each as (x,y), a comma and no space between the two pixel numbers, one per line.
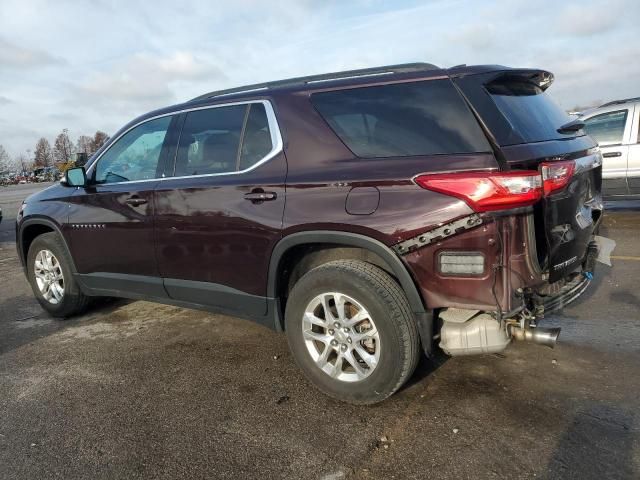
(259,196)
(612,154)
(135,201)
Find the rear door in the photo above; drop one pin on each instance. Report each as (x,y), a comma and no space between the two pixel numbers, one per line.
(612,130)
(220,215)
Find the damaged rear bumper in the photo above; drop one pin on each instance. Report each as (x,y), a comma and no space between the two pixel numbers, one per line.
(510,290)
(565,294)
(469,332)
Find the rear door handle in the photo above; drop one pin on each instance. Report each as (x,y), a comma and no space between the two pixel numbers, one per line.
(612,154)
(135,201)
(260,196)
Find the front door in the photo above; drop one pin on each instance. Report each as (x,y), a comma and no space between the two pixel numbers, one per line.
(611,130)
(111,220)
(633,159)
(219,218)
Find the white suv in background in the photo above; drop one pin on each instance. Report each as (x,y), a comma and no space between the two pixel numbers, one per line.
(616,128)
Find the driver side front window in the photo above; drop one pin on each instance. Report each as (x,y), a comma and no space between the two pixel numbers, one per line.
(136,155)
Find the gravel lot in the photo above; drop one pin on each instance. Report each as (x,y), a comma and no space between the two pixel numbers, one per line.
(137,390)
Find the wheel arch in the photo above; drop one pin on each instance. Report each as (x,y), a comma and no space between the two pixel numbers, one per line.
(32,228)
(381,255)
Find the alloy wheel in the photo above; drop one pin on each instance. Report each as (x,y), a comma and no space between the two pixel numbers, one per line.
(341,337)
(49,276)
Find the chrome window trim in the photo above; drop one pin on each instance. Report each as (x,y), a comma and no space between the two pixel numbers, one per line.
(274,131)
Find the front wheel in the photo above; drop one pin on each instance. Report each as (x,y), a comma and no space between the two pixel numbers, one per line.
(351,330)
(49,273)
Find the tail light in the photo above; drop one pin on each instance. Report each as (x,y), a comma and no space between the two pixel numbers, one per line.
(556,175)
(485,191)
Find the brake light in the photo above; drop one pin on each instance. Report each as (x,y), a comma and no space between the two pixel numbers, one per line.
(485,191)
(556,175)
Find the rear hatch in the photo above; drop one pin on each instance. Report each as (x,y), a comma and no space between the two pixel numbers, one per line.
(525,125)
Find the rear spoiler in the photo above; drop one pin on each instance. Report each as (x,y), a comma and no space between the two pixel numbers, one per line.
(541,78)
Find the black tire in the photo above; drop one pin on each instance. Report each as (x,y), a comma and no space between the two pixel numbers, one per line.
(73,301)
(389,309)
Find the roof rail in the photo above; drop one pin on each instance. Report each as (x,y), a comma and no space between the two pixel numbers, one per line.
(619,102)
(325,77)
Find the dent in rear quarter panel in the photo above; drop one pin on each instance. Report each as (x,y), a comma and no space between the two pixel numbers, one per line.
(441,290)
(502,241)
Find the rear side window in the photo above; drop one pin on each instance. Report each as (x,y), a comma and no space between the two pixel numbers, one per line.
(223,140)
(418,118)
(607,128)
(210,140)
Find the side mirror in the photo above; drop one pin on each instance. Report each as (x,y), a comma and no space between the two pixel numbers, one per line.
(75,177)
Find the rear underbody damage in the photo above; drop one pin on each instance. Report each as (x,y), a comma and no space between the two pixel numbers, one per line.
(510,289)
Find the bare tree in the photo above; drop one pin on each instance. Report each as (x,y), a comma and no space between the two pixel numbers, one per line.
(99,139)
(84,145)
(43,156)
(24,163)
(62,148)
(5,160)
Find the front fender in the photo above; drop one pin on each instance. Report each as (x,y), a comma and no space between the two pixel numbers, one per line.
(25,224)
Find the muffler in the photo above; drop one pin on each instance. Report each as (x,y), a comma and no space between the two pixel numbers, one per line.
(539,335)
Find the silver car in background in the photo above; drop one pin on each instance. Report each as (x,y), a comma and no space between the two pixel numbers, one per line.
(616,127)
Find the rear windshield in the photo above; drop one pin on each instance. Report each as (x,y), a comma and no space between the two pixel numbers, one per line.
(417,118)
(533,115)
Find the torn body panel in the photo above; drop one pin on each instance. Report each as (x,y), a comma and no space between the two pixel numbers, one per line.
(507,245)
(573,216)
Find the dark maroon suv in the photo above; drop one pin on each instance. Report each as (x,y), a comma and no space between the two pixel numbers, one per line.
(369,214)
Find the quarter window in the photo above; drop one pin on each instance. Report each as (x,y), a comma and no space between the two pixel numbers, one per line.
(607,128)
(223,140)
(256,143)
(417,118)
(136,155)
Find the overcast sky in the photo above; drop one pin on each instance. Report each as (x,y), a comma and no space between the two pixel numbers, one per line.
(89,65)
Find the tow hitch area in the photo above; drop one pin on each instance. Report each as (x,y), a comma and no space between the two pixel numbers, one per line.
(472,332)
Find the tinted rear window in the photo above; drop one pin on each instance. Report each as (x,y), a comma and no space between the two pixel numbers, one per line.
(418,118)
(210,140)
(533,115)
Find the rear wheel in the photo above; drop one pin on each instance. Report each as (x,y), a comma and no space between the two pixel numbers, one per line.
(51,278)
(351,330)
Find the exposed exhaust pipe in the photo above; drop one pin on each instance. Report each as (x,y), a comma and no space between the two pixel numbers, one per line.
(541,336)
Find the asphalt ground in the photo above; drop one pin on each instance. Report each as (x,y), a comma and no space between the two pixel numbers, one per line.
(138,390)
